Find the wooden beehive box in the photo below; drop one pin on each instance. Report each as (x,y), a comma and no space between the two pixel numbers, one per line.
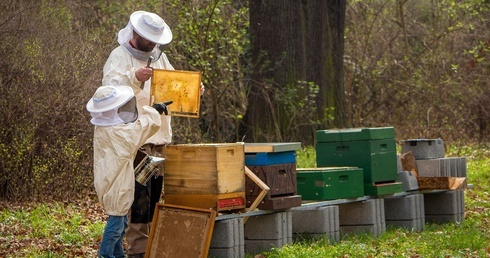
(275,165)
(210,176)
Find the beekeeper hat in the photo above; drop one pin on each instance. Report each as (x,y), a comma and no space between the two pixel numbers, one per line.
(109,97)
(151,27)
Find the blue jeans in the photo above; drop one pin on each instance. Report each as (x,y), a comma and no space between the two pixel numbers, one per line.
(112,239)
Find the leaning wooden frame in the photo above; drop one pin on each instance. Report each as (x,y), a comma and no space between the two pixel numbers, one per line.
(180,87)
(179,231)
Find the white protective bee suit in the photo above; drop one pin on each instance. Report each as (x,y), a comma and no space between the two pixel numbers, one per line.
(116,143)
(115,148)
(120,69)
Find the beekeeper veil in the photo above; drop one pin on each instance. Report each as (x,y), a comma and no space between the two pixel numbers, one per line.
(112,105)
(149,26)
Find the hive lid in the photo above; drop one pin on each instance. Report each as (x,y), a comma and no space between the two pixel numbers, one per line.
(272,147)
(355,134)
(327,169)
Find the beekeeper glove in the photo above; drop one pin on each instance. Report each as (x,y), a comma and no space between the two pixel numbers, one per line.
(161,108)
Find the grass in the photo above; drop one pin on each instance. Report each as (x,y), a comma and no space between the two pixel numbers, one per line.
(50,229)
(471,238)
(73,229)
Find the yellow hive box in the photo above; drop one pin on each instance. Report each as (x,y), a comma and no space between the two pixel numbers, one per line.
(210,176)
(181,87)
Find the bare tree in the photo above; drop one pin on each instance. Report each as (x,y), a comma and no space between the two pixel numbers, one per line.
(297,79)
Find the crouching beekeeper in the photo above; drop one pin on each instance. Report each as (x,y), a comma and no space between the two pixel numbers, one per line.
(118,134)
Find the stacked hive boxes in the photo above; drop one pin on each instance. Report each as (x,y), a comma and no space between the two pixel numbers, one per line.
(275,165)
(208,176)
(372,149)
(330,183)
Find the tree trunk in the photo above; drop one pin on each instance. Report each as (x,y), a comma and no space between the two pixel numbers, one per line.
(294,41)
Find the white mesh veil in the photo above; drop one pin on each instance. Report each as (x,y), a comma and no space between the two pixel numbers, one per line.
(123,38)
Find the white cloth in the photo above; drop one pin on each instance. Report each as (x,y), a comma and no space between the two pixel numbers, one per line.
(115,148)
(120,69)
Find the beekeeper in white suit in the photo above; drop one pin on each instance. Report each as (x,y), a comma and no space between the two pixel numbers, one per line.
(119,132)
(140,42)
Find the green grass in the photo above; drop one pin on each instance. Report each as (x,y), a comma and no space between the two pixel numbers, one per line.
(471,238)
(48,230)
(73,230)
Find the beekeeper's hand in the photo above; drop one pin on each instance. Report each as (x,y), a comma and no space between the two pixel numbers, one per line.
(143,74)
(161,108)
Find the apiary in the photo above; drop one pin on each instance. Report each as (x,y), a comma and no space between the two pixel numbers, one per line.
(209,176)
(275,165)
(330,183)
(372,149)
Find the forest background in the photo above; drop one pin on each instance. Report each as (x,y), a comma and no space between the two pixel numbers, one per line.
(420,66)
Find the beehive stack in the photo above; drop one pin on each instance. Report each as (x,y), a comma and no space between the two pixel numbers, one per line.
(209,176)
(275,165)
(372,149)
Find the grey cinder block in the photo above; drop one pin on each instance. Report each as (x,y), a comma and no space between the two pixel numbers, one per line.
(316,223)
(269,226)
(443,167)
(362,213)
(362,217)
(407,207)
(424,148)
(321,220)
(228,233)
(408,180)
(429,167)
(444,207)
(406,212)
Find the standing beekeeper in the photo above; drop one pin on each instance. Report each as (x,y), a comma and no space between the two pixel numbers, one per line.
(119,132)
(141,43)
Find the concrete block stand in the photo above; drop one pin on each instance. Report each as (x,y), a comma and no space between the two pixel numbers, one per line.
(264,232)
(362,217)
(405,211)
(445,167)
(322,222)
(444,207)
(228,239)
(424,148)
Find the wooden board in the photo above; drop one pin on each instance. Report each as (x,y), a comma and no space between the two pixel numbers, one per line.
(217,202)
(272,147)
(181,87)
(408,163)
(451,183)
(178,231)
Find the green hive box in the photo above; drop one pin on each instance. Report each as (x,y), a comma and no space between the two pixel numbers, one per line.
(330,183)
(372,149)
